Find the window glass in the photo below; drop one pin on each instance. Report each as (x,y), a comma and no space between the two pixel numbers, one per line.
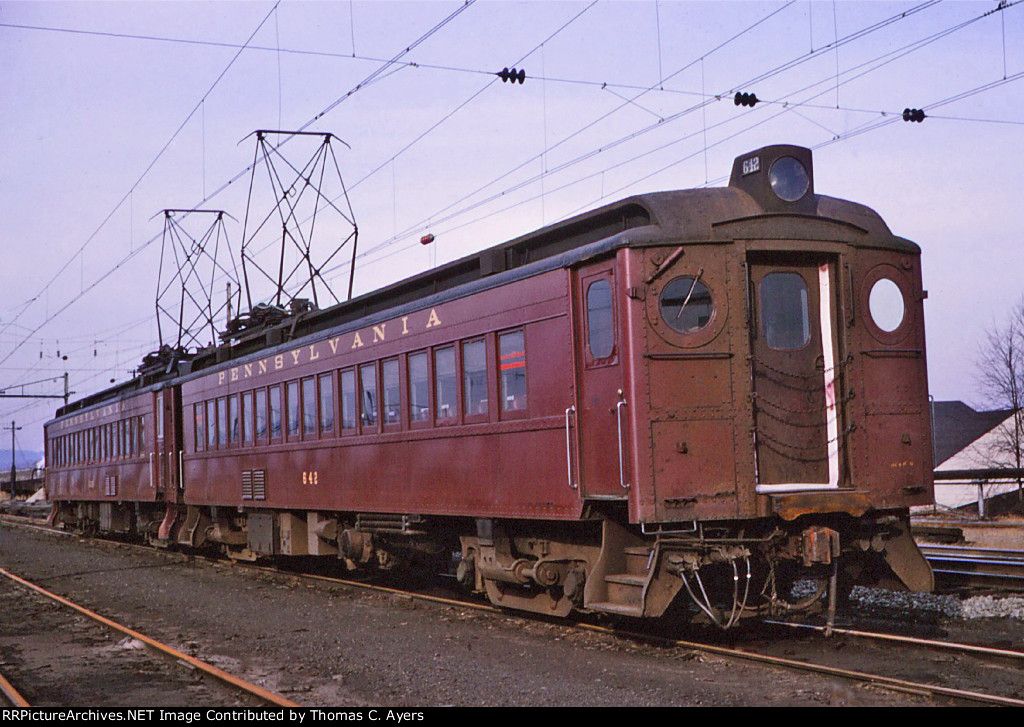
(392,392)
(368,385)
(247,418)
(512,365)
(348,399)
(419,388)
(784,318)
(142,434)
(474,377)
(600,320)
(309,406)
(233,422)
(222,422)
(200,420)
(275,411)
(445,383)
(261,415)
(686,304)
(886,304)
(293,408)
(160,416)
(327,403)
(211,424)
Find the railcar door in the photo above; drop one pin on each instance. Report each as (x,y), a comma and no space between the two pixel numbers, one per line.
(797,418)
(164,462)
(601,417)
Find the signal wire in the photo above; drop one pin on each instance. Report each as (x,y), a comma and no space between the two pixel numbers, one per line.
(433,219)
(887,58)
(146,244)
(127,195)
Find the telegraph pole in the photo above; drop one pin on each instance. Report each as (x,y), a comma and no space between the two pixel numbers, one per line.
(14,471)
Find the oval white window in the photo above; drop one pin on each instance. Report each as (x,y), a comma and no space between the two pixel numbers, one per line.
(886,305)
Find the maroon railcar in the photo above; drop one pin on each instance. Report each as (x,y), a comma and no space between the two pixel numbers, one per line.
(113,459)
(710,392)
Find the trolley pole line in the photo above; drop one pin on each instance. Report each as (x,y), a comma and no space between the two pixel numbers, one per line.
(66,396)
(14,470)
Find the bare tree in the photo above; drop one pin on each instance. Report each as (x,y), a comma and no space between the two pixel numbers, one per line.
(1001,379)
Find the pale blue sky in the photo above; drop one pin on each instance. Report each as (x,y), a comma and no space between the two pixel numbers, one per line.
(435,148)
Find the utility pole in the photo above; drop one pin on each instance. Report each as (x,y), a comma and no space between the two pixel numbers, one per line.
(14,471)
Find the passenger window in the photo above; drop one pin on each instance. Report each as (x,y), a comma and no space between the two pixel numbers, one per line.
(292,402)
(368,383)
(474,377)
(247,418)
(445,383)
(392,392)
(233,432)
(160,416)
(600,320)
(348,399)
(419,388)
(222,422)
(275,412)
(785,322)
(327,403)
(211,424)
(261,415)
(309,418)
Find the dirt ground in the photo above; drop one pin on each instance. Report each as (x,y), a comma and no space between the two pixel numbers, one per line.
(338,646)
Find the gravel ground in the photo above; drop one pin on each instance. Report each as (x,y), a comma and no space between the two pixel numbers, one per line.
(948,606)
(338,646)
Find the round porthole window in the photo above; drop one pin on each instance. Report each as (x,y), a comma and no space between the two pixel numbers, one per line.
(886,305)
(686,304)
(789,179)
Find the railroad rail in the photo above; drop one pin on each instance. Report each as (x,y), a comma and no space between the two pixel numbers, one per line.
(745,653)
(977,567)
(10,694)
(179,656)
(914,640)
(895,684)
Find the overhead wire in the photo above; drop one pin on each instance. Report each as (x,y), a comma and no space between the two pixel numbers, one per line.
(557,169)
(126,196)
(879,62)
(366,81)
(434,219)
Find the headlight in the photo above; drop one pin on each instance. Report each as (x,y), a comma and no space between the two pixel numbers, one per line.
(789,179)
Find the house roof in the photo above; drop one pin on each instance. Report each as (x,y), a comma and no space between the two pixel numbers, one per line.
(956,425)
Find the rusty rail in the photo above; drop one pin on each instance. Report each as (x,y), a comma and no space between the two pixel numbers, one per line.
(213,671)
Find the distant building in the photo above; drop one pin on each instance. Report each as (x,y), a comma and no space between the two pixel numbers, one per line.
(973,464)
